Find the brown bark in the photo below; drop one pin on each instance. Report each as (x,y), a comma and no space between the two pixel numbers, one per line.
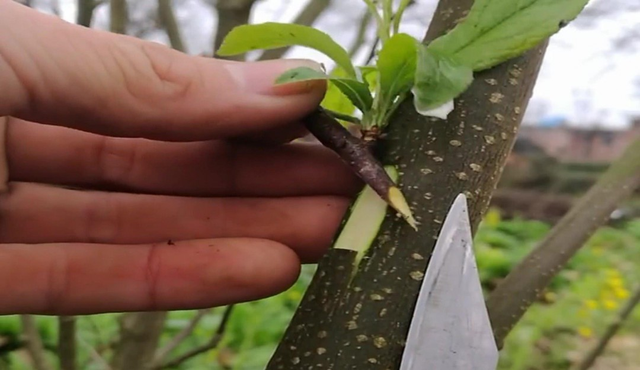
(513,296)
(85,12)
(362,322)
(67,342)
(139,337)
(118,16)
(231,13)
(168,21)
(307,17)
(34,345)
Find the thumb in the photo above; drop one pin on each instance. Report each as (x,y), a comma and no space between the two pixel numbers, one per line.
(63,74)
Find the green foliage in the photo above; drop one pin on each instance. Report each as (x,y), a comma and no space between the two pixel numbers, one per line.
(493,32)
(582,301)
(437,80)
(498,30)
(396,66)
(273,35)
(357,92)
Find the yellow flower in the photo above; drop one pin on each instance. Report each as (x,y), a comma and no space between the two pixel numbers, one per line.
(492,217)
(621,293)
(597,251)
(585,332)
(609,304)
(613,272)
(591,304)
(550,296)
(615,282)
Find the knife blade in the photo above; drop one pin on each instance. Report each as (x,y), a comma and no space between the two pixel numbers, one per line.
(450,328)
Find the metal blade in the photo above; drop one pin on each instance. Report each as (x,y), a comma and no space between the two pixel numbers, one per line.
(450,329)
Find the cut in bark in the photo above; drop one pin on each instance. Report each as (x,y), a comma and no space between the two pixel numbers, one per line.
(356,153)
(511,298)
(362,322)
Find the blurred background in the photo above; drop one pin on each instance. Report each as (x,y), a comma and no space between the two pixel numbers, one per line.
(584,111)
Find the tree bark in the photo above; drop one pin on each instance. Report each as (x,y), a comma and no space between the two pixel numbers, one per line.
(139,337)
(624,314)
(118,16)
(84,16)
(362,322)
(67,342)
(231,13)
(168,21)
(513,296)
(307,17)
(35,348)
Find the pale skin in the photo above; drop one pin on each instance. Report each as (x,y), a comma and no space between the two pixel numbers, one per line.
(141,178)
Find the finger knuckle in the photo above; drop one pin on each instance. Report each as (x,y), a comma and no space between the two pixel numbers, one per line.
(102,218)
(116,159)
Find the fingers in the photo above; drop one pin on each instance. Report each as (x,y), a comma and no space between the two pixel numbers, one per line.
(63,74)
(88,279)
(57,155)
(41,214)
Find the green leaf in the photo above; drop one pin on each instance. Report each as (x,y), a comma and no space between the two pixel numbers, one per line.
(497,30)
(370,76)
(334,100)
(356,91)
(438,80)
(396,66)
(273,35)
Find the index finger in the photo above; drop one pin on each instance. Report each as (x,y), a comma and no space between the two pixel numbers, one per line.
(63,74)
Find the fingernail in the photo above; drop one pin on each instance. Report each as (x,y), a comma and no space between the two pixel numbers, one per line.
(260,77)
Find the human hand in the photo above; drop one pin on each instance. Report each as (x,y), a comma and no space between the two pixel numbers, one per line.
(140,178)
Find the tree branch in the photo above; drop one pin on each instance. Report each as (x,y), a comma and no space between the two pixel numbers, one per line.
(369,304)
(163,352)
(360,34)
(513,296)
(67,342)
(231,13)
(213,342)
(34,346)
(84,17)
(613,328)
(169,23)
(139,336)
(307,17)
(118,16)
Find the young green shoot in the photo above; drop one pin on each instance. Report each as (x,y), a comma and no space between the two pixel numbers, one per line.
(435,74)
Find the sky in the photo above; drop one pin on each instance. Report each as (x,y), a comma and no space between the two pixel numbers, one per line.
(590,76)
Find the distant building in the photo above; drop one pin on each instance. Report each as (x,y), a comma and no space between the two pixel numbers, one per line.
(576,144)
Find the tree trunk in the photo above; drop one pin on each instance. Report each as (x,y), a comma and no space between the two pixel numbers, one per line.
(139,337)
(362,321)
(85,12)
(118,16)
(67,342)
(168,21)
(231,13)
(513,296)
